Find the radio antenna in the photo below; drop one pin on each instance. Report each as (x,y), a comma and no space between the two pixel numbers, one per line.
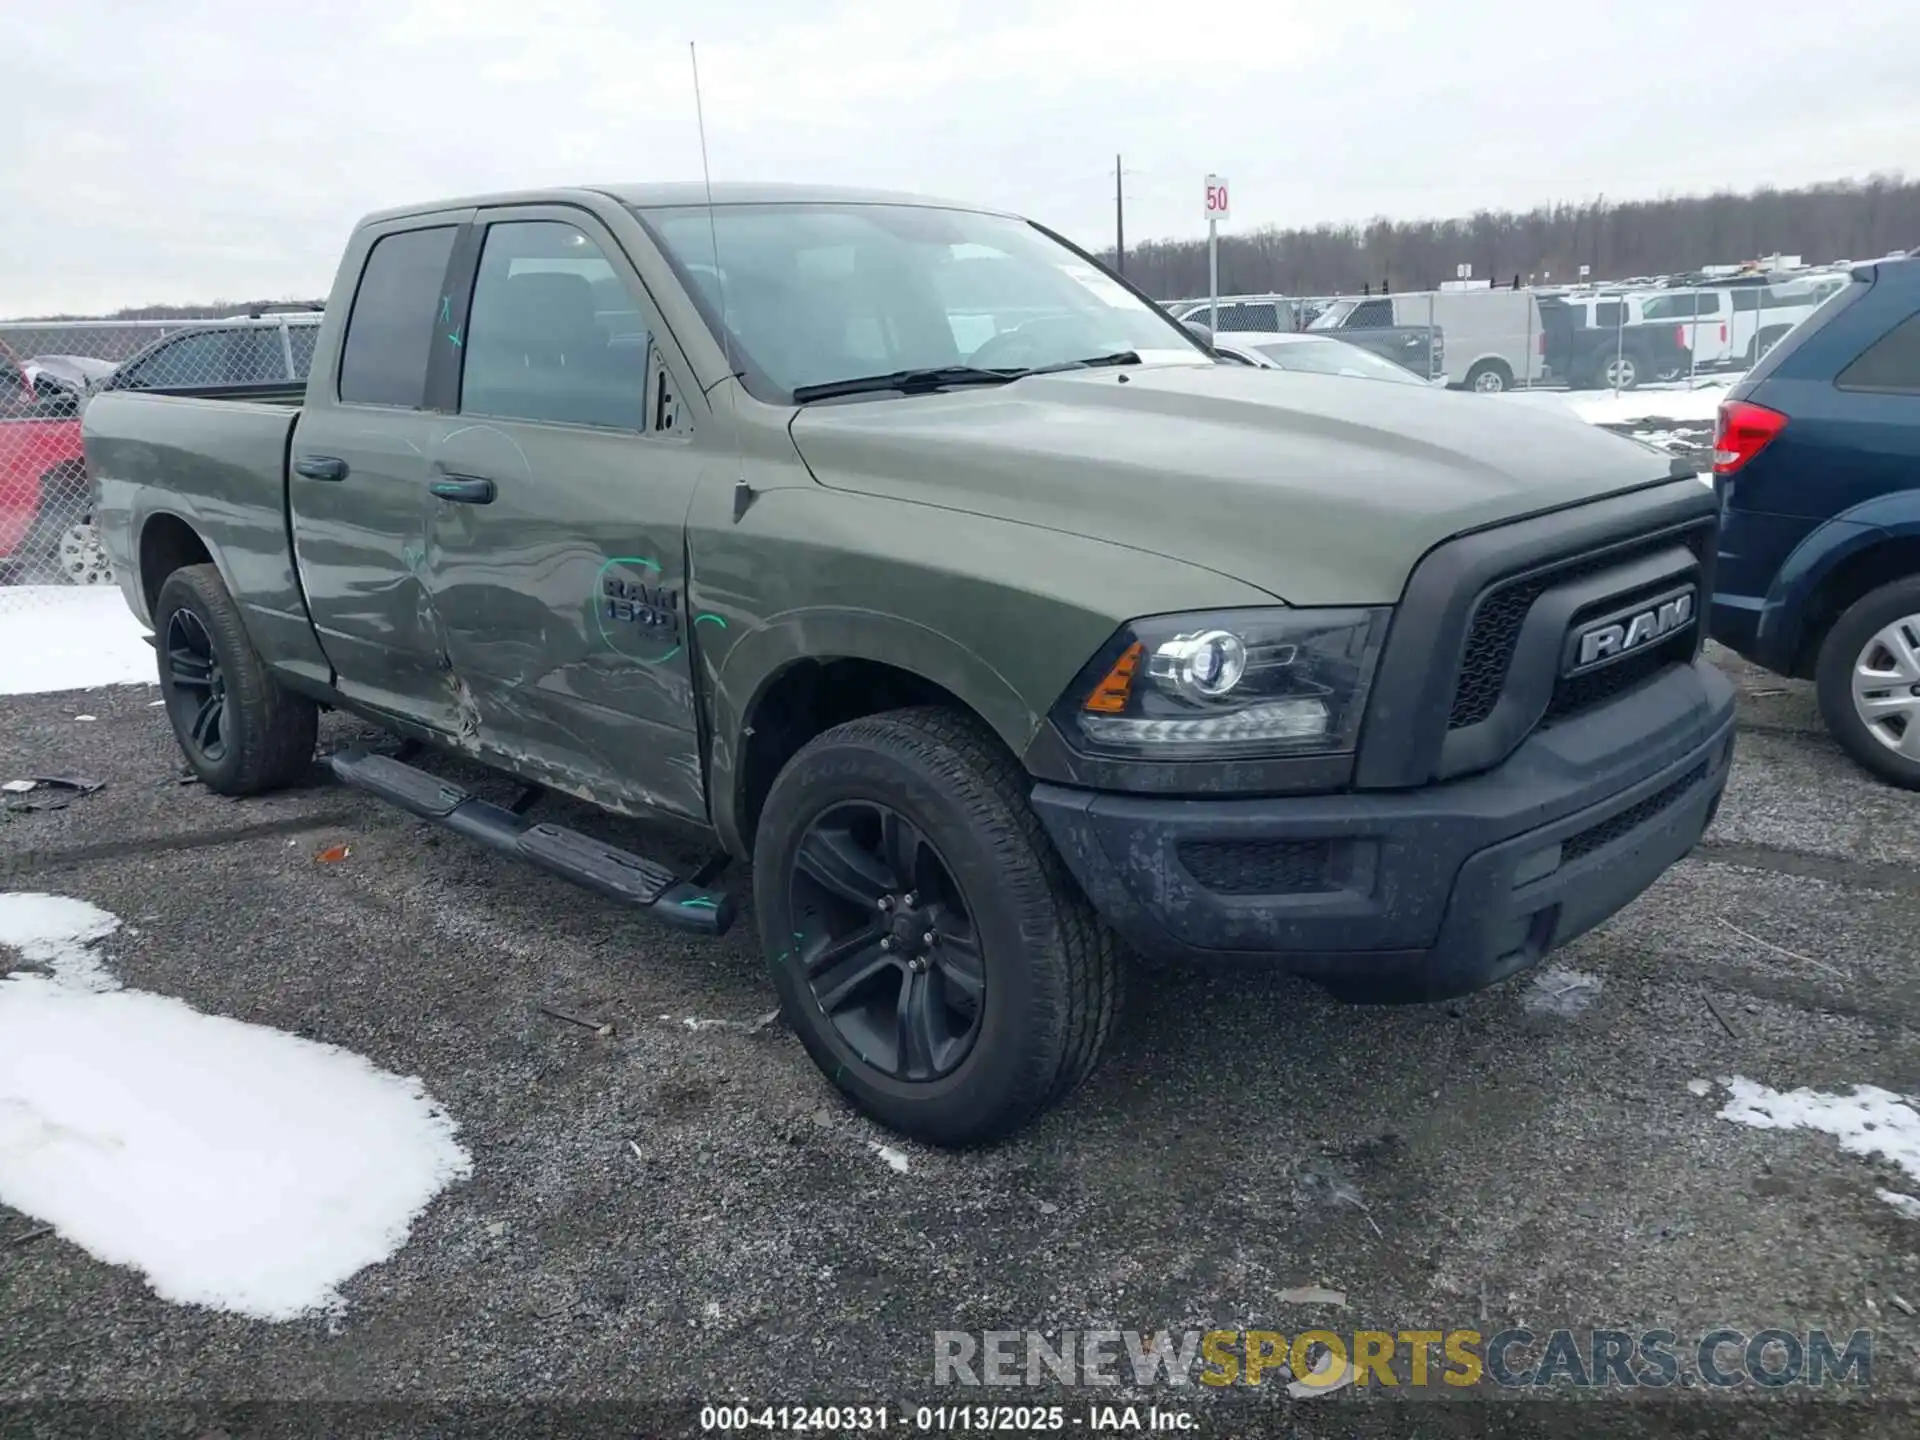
(742,492)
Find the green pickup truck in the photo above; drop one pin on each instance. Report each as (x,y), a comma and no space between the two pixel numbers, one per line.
(898,548)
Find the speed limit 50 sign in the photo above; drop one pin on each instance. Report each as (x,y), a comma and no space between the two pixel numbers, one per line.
(1216,197)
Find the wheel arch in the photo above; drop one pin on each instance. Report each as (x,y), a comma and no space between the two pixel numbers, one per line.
(168,542)
(1829,572)
(790,680)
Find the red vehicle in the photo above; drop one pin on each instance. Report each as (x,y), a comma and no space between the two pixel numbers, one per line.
(43,479)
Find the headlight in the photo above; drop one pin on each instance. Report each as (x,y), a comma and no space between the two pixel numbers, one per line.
(1227,684)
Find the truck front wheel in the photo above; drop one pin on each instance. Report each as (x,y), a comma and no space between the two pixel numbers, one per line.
(929,949)
(241,732)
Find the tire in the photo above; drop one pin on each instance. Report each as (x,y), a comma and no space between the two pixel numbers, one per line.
(1888,744)
(1630,368)
(62,544)
(1489,377)
(1048,969)
(260,736)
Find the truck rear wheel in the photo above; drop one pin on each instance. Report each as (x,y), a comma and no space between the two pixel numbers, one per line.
(1868,681)
(1490,377)
(241,732)
(929,948)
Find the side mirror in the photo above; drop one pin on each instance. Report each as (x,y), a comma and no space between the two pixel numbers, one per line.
(1199,332)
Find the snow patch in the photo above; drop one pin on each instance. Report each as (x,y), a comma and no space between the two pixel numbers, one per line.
(1561,992)
(233,1165)
(1870,1121)
(1907,1205)
(1649,402)
(70,637)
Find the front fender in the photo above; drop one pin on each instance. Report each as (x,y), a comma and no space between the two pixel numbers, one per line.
(762,655)
(1781,632)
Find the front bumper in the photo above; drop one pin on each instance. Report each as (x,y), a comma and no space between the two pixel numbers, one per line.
(1416,894)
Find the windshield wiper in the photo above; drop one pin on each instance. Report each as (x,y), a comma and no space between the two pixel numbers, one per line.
(1092,362)
(935,377)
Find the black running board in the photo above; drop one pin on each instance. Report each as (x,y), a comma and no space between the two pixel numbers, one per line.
(619,875)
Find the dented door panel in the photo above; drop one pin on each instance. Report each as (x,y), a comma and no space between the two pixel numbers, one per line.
(562,607)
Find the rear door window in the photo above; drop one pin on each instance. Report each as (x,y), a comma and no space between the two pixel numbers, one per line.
(1371,315)
(1891,363)
(390,328)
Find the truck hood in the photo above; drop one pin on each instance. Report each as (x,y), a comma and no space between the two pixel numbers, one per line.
(1319,489)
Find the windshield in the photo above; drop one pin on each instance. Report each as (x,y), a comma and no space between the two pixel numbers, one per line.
(1330,318)
(1335,357)
(828,292)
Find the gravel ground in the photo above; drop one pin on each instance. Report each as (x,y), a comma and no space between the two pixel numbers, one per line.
(676,1215)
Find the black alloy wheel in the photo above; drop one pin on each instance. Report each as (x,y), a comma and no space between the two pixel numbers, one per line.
(196,686)
(887,942)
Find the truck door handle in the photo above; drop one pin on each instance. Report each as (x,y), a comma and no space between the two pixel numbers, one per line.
(464,489)
(320,467)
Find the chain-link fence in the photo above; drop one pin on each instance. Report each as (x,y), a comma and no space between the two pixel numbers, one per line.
(50,371)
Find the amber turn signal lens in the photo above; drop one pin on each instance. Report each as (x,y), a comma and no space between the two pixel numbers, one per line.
(1109,697)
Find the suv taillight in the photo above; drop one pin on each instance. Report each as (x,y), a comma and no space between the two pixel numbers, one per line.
(1682,339)
(1543,342)
(1745,429)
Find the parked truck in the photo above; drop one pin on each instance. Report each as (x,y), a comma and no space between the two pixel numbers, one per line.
(999,650)
(44,532)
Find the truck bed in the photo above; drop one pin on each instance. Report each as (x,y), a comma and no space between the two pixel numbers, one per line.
(220,464)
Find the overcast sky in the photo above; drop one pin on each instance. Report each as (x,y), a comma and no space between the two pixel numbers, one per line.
(189,150)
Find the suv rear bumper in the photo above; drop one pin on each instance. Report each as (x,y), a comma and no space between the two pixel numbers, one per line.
(1425,893)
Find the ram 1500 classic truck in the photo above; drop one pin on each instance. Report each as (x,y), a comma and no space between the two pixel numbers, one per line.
(898,548)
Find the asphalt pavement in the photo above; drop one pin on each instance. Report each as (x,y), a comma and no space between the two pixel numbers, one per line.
(686,1213)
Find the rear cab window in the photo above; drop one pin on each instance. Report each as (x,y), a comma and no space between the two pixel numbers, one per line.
(195,359)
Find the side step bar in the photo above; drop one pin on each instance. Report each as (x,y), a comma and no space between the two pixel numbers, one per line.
(605,869)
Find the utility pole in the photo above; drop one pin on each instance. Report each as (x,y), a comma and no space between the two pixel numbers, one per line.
(1119,221)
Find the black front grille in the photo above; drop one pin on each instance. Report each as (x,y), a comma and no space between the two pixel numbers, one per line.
(1495,628)
(1596,687)
(1631,818)
(1261,867)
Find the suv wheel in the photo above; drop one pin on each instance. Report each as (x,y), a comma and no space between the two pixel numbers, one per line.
(241,732)
(1868,679)
(1621,372)
(62,543)
(929,948)
(1490,377)
(79,557)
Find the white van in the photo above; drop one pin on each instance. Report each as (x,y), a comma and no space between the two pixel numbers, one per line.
(1494,339)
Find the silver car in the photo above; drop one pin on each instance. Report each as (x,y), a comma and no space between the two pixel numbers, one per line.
(1314,354)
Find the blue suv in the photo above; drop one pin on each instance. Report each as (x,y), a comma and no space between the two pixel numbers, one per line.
(1817,463)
